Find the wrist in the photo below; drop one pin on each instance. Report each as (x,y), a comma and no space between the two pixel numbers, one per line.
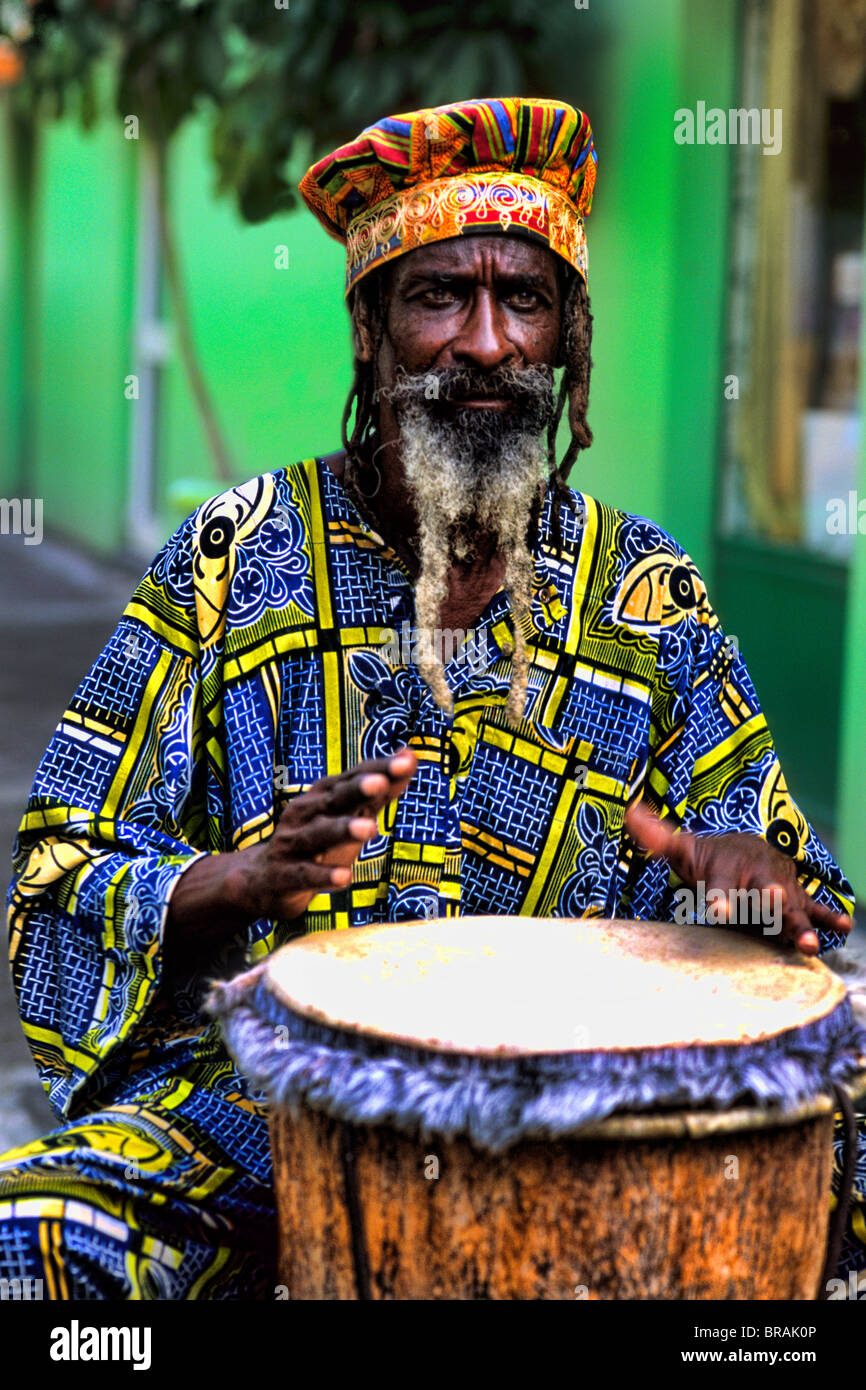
(210,897)
(235,889)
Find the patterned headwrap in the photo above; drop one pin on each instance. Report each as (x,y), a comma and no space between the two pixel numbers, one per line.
(521,166)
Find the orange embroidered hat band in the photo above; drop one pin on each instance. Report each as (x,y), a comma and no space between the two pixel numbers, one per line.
(519,166)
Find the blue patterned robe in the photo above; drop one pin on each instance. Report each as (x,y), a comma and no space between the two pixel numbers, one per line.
(264,648)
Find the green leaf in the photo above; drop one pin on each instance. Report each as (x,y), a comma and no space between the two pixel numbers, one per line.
(279,85)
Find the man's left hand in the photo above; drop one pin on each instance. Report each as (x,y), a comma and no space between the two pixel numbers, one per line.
(738,861)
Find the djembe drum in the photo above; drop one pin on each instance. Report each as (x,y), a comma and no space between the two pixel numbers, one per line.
(521,1108)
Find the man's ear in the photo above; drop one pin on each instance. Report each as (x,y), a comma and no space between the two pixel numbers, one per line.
(362,334)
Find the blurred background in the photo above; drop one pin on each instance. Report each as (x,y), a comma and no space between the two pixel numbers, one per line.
(172,320)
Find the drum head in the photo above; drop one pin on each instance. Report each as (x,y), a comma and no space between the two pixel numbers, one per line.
(512,986)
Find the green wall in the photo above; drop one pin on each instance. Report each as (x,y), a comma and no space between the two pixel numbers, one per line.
(86,272)
(66,272)
(852,679)
(789,619)
(17,279)
(658,263)
(274,343)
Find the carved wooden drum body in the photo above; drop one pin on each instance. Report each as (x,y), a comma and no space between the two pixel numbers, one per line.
(519,1108)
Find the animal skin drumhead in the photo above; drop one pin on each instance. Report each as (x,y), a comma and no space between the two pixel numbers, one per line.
(522,985)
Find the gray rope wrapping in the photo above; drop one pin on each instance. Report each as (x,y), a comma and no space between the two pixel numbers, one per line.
(497,1101)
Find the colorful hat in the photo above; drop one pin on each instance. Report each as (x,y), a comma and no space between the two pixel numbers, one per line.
(524,167)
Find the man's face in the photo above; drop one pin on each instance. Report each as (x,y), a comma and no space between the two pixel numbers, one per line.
(477,301)
(466,391)
(465,369)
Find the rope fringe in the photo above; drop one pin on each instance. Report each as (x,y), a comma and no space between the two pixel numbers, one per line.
(497,1102)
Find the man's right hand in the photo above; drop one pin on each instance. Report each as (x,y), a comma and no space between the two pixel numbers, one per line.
(316,841)
(318,838)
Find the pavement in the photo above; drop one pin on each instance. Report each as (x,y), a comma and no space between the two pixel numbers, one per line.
(57,610)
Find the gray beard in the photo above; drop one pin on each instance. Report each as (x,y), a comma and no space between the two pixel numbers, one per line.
(473,472)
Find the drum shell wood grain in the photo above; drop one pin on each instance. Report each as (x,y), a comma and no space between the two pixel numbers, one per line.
(651,1216)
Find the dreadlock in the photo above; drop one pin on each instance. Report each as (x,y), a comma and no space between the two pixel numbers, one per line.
(367,306)
(575,342)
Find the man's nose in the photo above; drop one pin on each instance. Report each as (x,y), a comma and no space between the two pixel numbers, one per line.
(482,340)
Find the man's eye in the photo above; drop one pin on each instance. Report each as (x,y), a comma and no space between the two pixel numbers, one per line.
(524,299)
(438,295)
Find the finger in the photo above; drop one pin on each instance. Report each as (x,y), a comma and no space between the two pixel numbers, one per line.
(346,796)
(659,840)
(364,793)
(304,807)
(828,917)
(647,830)
(774,902)
(378,788)
(798,929)
(367,786)
(720,904)
(337,779)
(773,897)
(800,914)
(401,769)
(325,832)
(403,763)
(307,875)
(393,766)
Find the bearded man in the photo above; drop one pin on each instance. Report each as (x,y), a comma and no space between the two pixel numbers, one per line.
(256,754)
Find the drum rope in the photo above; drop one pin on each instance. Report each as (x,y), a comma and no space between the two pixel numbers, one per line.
(839,1218)
(360,1259)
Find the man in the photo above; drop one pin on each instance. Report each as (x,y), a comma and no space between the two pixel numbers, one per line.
(416,677)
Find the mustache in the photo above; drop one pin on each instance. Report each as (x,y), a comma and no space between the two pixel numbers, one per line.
(527,388)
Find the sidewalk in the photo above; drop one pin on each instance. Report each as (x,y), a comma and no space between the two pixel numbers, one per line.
(57,609)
